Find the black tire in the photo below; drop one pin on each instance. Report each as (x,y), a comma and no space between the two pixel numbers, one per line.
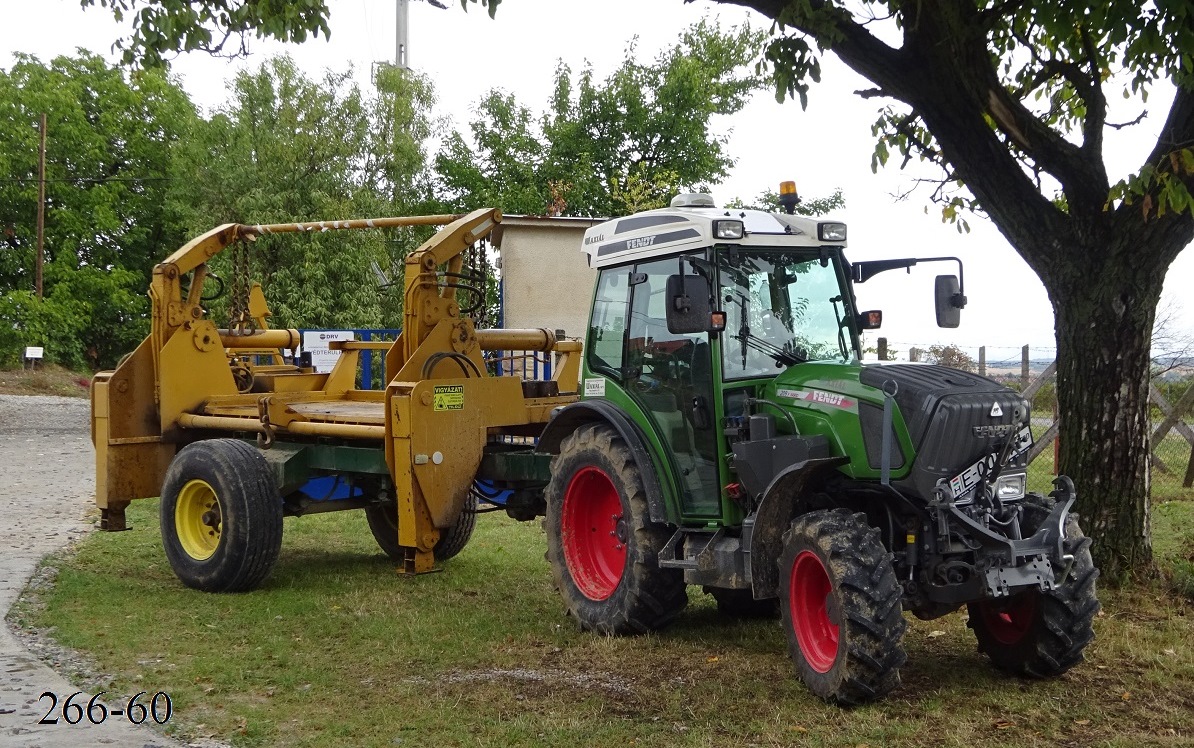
(601,543)
(383,523)
(221,516)
(1042,634)
(742,604)
(840,604)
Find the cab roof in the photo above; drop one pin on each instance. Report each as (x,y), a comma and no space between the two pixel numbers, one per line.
(669,230)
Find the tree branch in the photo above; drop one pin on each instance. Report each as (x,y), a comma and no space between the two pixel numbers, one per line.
(1178,130)
(1096,102)
(857,47)
(1122,125)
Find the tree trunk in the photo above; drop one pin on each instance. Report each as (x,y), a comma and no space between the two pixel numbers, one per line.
(1103,319)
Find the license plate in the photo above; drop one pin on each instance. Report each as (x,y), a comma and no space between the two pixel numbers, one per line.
(964,482)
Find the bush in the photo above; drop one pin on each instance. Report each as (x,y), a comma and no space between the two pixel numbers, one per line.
(89,319)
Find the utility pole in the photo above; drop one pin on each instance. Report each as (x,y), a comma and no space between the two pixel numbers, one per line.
(401,28)
(41,208)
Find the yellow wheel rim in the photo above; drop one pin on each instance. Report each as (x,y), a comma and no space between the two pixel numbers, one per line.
(197,520)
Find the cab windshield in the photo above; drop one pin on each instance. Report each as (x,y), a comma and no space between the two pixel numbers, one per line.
(783,307)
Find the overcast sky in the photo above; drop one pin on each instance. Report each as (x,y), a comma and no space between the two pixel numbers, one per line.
(826,147)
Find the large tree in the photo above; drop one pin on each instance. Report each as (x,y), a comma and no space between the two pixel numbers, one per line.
(613,146)
(162,28)
(285,148)
(111,136)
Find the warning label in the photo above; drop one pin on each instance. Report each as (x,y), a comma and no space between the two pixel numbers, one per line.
(448,396)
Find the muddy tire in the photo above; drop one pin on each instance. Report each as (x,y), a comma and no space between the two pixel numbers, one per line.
(1042,634)
(840,605)
(602,545)
(221,516)
(742,604)
(383,523)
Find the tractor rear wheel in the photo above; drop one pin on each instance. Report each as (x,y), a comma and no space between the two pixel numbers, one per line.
(601,543)
(383,523)
(1042,634)
(221,516)
(840,604)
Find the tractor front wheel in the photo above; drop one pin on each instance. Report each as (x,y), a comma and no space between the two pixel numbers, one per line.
(601,543)
(221,516)
(1042,634)
(840,604)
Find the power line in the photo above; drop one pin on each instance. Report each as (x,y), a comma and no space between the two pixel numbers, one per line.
(91,180)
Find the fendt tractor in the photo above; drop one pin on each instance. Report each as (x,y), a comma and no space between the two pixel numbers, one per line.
(717,429)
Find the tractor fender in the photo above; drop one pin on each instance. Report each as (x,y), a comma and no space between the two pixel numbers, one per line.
(780,504)
(567,419)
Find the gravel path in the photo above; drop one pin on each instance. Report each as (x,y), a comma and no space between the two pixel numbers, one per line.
(46,496)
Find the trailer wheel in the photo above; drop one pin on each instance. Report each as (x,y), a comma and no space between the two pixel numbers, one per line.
(602,545)
(383,523)
(1042,634)
(221,516)
(840,604)
(742,604)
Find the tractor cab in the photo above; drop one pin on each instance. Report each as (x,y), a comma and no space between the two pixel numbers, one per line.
(697,309)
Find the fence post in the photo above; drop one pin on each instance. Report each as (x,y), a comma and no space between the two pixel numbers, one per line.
(1024,368)
(914,354)
(1056,443)
(1189,481)
(982,360)
(1051,434)
(366,363)
(882,349)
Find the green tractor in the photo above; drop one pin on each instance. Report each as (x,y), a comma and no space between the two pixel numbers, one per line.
(729,436)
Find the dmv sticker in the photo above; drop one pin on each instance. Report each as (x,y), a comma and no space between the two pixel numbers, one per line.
(448,396)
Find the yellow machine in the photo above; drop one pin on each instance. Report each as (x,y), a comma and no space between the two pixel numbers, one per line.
(178,417)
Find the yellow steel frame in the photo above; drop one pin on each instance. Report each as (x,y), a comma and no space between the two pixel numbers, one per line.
(439,407)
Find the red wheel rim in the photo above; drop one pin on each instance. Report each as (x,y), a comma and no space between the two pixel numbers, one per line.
(594,534)
(808,602)
(1009,621)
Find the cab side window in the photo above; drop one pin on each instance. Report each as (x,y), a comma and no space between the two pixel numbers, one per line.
(607,326)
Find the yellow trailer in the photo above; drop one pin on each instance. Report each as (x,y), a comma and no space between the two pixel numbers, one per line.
(179,416)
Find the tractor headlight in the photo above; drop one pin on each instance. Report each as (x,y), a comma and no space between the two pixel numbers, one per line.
(1010,486)
(728,229)
(831,232)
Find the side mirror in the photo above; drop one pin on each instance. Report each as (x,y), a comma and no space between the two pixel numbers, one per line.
(949,300)
(688,306)
(870,320)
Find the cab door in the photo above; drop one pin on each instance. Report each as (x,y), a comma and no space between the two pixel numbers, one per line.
(670,375)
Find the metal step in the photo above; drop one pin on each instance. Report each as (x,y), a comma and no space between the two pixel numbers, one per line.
(669,555)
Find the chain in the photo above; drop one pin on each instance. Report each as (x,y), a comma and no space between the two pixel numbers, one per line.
(477,254)
(240,322)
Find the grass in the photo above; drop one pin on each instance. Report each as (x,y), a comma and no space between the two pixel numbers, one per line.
(337,650)
(45,379)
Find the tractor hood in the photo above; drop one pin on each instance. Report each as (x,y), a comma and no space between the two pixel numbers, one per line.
(944,419)
(954,418)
